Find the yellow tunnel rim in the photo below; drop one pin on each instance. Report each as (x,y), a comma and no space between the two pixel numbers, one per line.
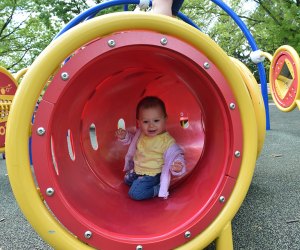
(48,61)
(6,72)
(257,102)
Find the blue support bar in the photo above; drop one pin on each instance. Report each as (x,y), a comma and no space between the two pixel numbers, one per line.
(93,11)
(261,69)
(186,19)
(90,13)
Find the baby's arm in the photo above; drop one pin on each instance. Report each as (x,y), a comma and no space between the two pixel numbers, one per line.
(124,136)
(177,166)
(121,134)
(174,165)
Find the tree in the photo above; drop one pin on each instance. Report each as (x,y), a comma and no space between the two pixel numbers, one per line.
(27,27)
(276,23)
(213,21)
(25,30)
(272,24)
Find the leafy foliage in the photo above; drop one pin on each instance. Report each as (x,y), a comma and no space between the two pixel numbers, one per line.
(272,24)
(27,27)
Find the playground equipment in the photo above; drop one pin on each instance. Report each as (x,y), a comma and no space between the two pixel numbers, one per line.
(20,74)
(124,57)
(284,77)
(8,87)
(257,101)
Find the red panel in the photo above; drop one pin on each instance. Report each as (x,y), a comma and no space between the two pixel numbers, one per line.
(278,63)
(105,85)
(8,88)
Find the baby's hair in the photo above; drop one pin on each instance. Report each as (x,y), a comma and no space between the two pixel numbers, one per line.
(150,102)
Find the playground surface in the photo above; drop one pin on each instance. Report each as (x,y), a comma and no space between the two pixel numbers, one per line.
(269,217)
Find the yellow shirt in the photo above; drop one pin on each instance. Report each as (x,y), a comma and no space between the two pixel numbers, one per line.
(148,158)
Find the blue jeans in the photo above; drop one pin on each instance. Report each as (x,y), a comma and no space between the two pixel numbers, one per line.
(142,187)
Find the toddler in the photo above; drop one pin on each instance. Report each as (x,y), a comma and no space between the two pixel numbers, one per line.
(153,155)
(166,7)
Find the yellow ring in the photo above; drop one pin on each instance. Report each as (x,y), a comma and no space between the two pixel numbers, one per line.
(293,53)
(32,84)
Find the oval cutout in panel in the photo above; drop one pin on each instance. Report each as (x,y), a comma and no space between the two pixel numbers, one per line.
(70,145)
(184,120)
(121,123)
(53,156)
(93,137)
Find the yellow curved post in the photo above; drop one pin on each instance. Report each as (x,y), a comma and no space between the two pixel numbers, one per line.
(20,175)
(257,101)
(20,74)
(224,241)
(267,55)
(298,104)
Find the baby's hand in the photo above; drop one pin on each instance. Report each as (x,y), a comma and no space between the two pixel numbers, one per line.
(120,133)
(177,166)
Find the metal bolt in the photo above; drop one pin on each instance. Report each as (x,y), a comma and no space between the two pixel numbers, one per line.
(41,131)
(64,76)
(237,154)
(187,234)
(139,247)
(232,106)
(222,199)
(164,41)
(88,234)
(206,65)
(111,43)
(49,191)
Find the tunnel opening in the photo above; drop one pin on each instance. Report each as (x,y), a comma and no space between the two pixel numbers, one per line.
(103,86)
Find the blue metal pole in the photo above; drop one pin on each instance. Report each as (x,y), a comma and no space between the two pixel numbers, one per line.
(186,19)
(261,69)
(91,12)
(94,10)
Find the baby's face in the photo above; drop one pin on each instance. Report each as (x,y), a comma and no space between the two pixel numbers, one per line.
(152,121)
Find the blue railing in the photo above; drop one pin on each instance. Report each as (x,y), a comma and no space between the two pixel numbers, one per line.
(93,11)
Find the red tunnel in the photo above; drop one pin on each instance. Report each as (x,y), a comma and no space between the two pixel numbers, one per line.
(78,162)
